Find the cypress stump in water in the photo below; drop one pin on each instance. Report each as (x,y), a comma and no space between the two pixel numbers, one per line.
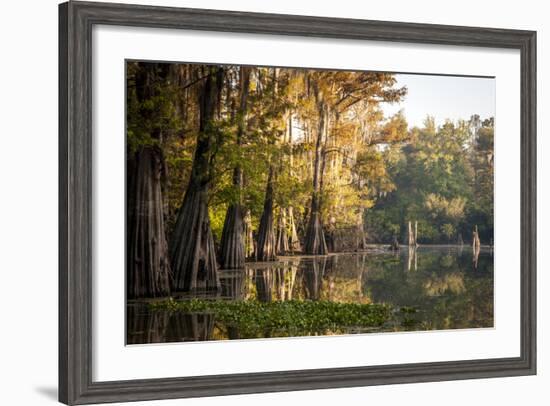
(413,235)
(476,246)
(192,251)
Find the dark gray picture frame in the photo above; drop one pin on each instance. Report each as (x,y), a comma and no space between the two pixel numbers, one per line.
(76,20)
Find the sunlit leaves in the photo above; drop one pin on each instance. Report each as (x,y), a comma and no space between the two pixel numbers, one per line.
(451,209)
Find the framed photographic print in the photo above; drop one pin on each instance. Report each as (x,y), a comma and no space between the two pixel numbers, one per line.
(259,202)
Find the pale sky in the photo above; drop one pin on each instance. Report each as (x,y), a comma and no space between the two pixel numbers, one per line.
(444,97)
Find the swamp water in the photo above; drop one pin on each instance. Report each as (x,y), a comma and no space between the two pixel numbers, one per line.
(427,288)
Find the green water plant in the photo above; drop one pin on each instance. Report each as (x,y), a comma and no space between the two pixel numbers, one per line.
(286,318)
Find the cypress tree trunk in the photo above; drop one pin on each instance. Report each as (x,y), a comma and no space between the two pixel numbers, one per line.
(192,251)
(232,250)
(361,238)
(265,249)
(232,244)
(147,252)
(294,241)
(148,267)
(476,246)
(282,241)
(282,233)
(413,235)
(266,246)
(248,236)
(315,243)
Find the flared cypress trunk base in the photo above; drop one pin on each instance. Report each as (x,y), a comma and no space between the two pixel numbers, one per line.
(192,250)
(281,246)
(265,249)
(315,243)
(294,241)
(232,242)
(148,267)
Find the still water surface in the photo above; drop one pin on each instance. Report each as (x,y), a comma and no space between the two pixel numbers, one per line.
(444,285)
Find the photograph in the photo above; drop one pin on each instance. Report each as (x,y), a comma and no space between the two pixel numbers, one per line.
(267,202)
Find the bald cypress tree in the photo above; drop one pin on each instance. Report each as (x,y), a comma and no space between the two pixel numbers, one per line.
(192,250)
(315,243)
(266,244)
(232,250)
(148,266)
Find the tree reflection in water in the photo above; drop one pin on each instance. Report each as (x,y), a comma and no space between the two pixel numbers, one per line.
(145,326)
(430,288)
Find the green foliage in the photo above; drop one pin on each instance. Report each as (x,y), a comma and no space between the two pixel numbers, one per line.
(448,230)
(151,112)
(443,179)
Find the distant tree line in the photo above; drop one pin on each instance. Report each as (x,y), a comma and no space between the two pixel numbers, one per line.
(443,178)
